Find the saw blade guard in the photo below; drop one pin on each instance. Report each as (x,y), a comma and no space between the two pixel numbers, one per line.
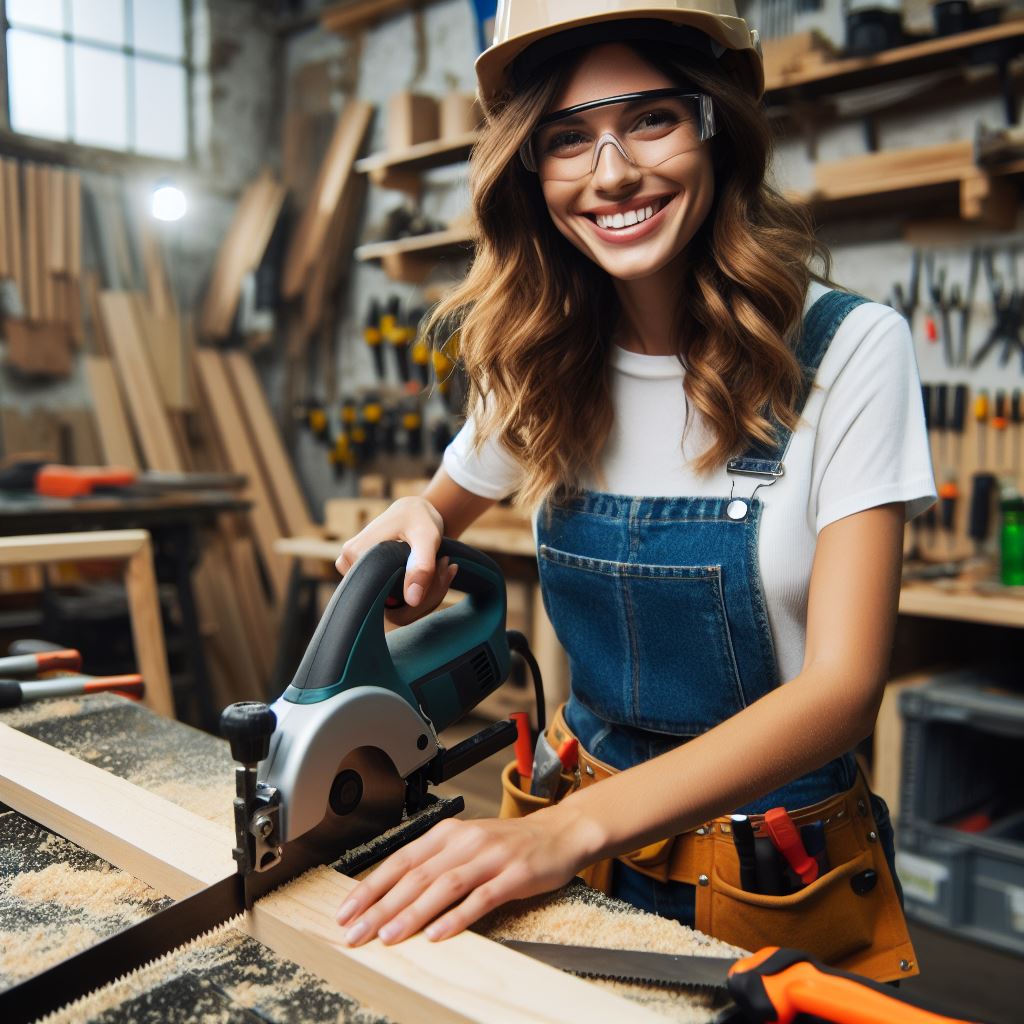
(442,665)
(318,750)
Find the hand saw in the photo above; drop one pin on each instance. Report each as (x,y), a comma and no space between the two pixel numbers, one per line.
(344,754)
(772,986)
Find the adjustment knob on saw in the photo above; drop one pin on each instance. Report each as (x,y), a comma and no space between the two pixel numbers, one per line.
(248,726)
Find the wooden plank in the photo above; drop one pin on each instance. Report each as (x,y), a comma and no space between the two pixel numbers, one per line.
(74,223)
(12,218)
(138,380)
(5,267)
(229,423)
(33,297)
(44,175)
(293,514)
(98,335)
(240,253)
(335,171)
(161,299)
(148,630)
(466,978)
(116,440)
(56,237)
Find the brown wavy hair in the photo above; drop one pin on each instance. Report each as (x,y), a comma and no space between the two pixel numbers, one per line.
(533,318)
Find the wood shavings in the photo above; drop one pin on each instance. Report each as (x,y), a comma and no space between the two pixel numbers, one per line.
(27,952)
(580,916)
(100,893)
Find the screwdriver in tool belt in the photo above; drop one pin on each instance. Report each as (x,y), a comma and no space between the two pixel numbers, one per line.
(788,842)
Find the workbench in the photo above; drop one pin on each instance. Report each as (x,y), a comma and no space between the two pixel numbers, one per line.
(174,520)
(56,898)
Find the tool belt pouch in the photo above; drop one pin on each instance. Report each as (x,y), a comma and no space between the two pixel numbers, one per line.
(847,917)
(516,802)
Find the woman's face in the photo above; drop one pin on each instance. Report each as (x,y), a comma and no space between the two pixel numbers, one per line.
(673,196)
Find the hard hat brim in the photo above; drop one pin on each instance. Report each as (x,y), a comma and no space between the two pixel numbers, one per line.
(492,66)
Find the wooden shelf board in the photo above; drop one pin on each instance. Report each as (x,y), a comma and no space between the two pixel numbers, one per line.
(901,62)
(439,241)
(929,601)
(421,157)
(355,14)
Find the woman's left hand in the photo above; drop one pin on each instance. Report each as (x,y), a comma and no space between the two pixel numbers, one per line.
(468,866)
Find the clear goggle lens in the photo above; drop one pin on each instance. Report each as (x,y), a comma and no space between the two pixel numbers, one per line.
(646,128)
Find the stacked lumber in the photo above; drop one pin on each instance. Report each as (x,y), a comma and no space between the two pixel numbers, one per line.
(41,265)
(240,254)
(322,240)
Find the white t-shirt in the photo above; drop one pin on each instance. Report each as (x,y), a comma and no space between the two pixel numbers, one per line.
(861,442)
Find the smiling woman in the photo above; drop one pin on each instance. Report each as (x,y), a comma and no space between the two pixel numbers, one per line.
(721,450)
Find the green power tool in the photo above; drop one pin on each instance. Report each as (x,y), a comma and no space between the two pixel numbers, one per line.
(348,751)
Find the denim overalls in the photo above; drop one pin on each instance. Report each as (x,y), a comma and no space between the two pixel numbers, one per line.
(658,603)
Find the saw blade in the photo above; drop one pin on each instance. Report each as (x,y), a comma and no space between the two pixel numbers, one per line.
(122,952)
(705,972)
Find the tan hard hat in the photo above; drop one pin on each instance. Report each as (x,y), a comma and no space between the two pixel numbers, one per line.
(519,24)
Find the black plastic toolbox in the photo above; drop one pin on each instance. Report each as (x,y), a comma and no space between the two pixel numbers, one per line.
(963,757)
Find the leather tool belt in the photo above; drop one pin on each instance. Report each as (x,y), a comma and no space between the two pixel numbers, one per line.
(849,917)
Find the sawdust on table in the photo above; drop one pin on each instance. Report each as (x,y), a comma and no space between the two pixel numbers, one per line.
(580,916)
(102,892)
(42,710)
(26,952)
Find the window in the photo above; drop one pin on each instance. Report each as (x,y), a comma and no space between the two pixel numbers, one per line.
(109,73)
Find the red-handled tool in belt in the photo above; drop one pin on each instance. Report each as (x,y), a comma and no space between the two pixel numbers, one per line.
(772,986)
(786,837)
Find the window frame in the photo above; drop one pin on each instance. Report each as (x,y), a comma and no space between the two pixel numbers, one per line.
(92,155)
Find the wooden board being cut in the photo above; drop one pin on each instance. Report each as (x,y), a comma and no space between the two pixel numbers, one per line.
(465,978)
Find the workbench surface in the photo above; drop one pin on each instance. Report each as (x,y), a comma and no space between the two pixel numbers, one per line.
(56,898)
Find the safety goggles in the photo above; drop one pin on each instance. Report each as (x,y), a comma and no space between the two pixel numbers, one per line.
(647,128)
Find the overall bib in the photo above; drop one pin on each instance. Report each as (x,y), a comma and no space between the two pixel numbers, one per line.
(659,605)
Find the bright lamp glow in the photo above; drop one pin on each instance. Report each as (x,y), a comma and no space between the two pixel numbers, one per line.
(168,202)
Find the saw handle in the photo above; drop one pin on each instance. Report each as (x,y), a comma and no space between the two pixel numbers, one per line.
(377,574)
(782,985)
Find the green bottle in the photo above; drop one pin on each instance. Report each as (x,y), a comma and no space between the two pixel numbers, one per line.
(1012,541)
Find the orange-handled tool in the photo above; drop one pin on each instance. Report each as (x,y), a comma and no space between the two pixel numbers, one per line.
(775,986)
(14,691)
(68,660)
(786,838)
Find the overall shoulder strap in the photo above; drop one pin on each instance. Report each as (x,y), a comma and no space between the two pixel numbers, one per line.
(820,324)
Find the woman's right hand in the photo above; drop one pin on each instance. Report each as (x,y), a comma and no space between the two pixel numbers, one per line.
(427,579)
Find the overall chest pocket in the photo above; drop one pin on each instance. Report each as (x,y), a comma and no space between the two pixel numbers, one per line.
(649,645)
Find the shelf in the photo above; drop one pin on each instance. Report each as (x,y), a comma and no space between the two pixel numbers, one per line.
(384,166)
(412,259)
(890,65)
(931,179)
(931,601)
(356,14)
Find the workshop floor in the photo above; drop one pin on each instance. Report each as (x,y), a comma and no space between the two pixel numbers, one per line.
(962,977)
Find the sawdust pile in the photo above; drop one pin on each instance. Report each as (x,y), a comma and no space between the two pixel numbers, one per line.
(27,952)
(580,916)
(102,892)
